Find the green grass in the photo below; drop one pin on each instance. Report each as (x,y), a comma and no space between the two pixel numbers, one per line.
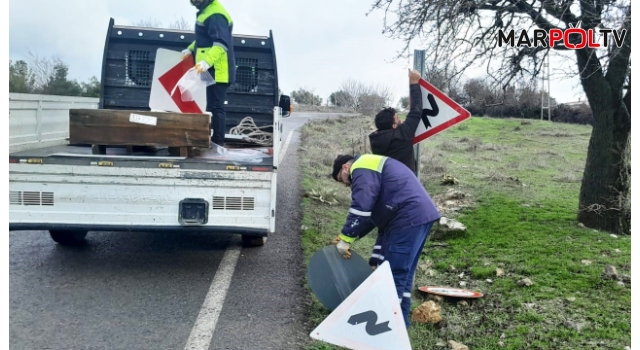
(524,182)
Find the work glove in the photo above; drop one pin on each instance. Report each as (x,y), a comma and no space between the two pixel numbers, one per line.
(202,66)
(373,261)
(186,53)
(343,247)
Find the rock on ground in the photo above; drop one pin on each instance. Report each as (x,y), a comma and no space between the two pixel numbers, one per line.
(452,225)
(454,345)
(427,312)
(610,272)
(525,282)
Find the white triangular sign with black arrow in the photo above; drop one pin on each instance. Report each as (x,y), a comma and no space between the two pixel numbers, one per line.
(439,112)
(370,318)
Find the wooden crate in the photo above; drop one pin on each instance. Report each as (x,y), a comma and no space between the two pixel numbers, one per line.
(102,128)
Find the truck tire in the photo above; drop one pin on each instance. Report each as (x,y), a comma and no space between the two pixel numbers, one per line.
(253,241)
(66,237)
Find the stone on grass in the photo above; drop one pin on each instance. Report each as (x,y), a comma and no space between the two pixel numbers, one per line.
(586,262)
(452,225)
(454,345)
(499,272)
(449,180)
(427,312)
(525,282)
(610,272)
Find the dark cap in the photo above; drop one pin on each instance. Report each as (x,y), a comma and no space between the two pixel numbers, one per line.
(338,163)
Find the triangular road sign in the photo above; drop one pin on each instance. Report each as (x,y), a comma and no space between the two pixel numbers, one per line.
(169,67)
(370,318)
(439,112)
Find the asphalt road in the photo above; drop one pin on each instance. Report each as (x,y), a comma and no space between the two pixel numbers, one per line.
(147,290)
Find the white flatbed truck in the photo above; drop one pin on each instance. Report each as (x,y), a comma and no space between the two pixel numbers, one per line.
(69,191)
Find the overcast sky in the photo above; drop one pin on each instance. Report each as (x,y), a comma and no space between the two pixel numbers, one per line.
(319,44)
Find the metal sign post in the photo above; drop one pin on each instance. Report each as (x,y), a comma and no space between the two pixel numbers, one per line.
(418,64)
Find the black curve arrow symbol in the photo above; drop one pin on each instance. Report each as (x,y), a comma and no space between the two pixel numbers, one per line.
(370,317)
(426,112)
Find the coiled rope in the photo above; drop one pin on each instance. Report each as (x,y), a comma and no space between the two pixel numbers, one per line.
(252,132)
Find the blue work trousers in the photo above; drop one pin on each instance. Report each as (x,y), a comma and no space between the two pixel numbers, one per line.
(216,95)
(401,248)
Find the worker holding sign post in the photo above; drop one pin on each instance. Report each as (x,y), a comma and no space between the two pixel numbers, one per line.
(387,195)
(393,138)
(213,49)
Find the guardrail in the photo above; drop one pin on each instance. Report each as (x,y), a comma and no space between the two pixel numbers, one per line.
(42,120)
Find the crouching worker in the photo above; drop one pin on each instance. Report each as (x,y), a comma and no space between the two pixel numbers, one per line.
(386,195)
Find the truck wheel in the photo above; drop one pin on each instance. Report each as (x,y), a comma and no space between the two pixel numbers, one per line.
(65,237)
(253,241)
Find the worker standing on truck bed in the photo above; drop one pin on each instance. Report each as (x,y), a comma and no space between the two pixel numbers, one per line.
(213,49)
(386,194)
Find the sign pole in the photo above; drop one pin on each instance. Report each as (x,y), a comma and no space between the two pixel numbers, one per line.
(418,64)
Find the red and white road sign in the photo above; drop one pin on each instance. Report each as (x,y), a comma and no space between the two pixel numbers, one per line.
(169,68)
(439,112)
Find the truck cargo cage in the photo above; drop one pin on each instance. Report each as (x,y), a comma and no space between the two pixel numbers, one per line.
(128,63)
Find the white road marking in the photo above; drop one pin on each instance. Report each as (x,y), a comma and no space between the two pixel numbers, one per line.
(205,326)
(202,331)
(286,144)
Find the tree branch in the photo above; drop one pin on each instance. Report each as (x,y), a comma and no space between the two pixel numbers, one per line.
(563,12)
(590,14)
(619,63)
(535,15)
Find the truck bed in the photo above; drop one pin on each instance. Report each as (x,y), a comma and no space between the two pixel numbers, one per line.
(210,159)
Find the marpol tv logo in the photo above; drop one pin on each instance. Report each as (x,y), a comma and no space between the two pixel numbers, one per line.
(573,38)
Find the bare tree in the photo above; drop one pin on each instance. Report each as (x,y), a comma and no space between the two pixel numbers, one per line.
(43,68)
(354,90)
(149,23)
(467,32)
(363,98)
(443,75)
(386,93)
(179,23)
